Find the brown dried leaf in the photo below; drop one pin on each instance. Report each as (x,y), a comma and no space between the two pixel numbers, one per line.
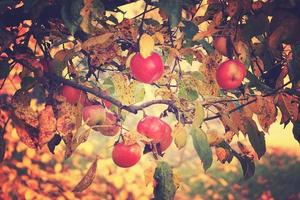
(222,154)
(67,121)
(288,105)
(233,7)
(282,75)
(27,134)
(88,178)
(268,113)
(103,41)
(22,110)
(47,125)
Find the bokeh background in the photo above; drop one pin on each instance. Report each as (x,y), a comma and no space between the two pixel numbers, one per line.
(29,174)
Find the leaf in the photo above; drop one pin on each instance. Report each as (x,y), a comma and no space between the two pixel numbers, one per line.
(247,164)
(213,137)
(189,58)
(158,38)
(199,115)
(256,137)
(288,105)
(27,82)
(124,90)
(70,13)
(268,112)
(173,9)
(202,147)
(47,125)
(91,9)
(80,137)
(54,142)
(2,145)
(180,135)
(256,25)
(165,187)
(139,92)
(296,131)
(4,68)
(293,66)
(103,41)
(187,93)
(88,178)
(146,45)
(190,29)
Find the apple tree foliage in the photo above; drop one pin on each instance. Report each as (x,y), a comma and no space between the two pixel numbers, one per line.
(82,44)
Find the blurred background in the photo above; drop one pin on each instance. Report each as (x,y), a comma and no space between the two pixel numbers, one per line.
(29,174)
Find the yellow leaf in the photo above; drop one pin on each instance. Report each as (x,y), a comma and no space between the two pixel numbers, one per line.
(213,137)
(127,64)
(146,45)
(85,14)
(123,89)
(158,38)
(102,40)
(180,135)
(199,115)
(148,173)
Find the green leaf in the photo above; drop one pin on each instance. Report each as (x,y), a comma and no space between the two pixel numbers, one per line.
(198,75)
(190,29)
(165,188)
(28,83)
(199,115)
(4,68)
(256,137)
(152,22)
(139,92)
(202,147)
(172,8)
(70,12)
(108,85)
(187,93)
(294,71)
(189,58)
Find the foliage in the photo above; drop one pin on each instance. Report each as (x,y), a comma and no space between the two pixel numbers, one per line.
(88,44)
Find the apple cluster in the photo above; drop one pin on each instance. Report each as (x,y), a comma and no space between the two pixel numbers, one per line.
(124,155)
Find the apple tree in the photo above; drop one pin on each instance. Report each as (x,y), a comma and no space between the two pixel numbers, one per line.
(82,66)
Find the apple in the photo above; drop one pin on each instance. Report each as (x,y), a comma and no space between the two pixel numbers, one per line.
(220,44)
(155,129)
(74,95)
(230,74)
(166,141)
(109,127)
(93,115)
(147,70)
(126,155)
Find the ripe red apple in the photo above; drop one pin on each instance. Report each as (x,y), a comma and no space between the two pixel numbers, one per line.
(93,115)
(230,74)
(166,141)
(220,44)
(126,155)
(147,70)
(74,95)
(109,127)
(155,129)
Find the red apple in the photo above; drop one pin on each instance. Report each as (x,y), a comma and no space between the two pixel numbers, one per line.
(109,126)
(147,70)
(155,129)
(166,141)
(74,95)
(230,74)
(126,155)
(93,115)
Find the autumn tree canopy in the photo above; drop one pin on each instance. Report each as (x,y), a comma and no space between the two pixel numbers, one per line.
(84,66)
